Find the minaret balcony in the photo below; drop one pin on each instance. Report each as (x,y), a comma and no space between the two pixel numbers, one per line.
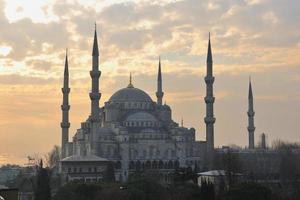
(95,74)
(159,94)
(95,95)
(65,124)
(209,79)
(209,120)
(65,90)
(209,99)
(65,107)
(251,113)
(251,128)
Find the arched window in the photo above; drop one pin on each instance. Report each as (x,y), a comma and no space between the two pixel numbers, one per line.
(160,164)
(154,164)
(118,165)
(170,165)
(148,165)
(138,165)
(131,165)
(151,151)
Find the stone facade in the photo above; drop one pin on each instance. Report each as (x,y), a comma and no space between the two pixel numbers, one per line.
(83,168)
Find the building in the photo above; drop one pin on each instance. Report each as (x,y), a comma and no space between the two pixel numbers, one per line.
(131,129)
(87,168)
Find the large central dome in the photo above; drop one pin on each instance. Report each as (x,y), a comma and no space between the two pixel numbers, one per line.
(130,94)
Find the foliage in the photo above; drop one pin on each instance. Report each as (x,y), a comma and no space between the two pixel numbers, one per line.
(53,157)
(42,186)
(136,189)
(152,189)
(78,191)
(248,191)
(109,175)
(207,190)
(187,191)
(185,174)
(231,163)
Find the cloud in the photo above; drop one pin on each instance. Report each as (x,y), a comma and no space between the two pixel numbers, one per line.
(270,17)
(257,37)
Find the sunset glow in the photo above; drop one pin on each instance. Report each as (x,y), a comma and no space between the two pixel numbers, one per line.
(251,37)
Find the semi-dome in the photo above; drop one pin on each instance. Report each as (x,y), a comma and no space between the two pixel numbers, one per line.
(130,94)
(141,116)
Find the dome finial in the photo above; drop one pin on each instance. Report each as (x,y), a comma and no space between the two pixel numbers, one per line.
(181,121)
(130,81)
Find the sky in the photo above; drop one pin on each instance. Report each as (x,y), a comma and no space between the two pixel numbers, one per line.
(257,38)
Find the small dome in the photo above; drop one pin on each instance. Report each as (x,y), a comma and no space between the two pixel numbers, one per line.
(130,94)
(141,116)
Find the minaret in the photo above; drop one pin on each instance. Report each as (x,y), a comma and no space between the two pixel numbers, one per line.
(65,107)
(251,113)
(209,100)
(159,93)
(95,75)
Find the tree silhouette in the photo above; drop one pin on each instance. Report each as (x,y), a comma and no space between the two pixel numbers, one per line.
(42,186)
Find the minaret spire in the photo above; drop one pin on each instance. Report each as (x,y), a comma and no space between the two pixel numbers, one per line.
(209,100)
(95,74)
(65,107)
(130,81)
(95,45)
(159,93)
(250,113)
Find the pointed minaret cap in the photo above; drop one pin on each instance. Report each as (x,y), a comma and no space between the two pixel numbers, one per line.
(130,81)
(250,94)
(209,54)
(66,63)
(159,69)
(95,45)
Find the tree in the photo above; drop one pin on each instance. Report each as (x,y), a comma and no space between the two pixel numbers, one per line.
(109,174)
(184,175)
(150,187)
(53,157)
(78,191)
(232,165)
(248,191)
(42,186)
(207,190)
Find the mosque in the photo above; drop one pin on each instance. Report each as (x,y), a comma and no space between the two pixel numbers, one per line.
(133,131)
